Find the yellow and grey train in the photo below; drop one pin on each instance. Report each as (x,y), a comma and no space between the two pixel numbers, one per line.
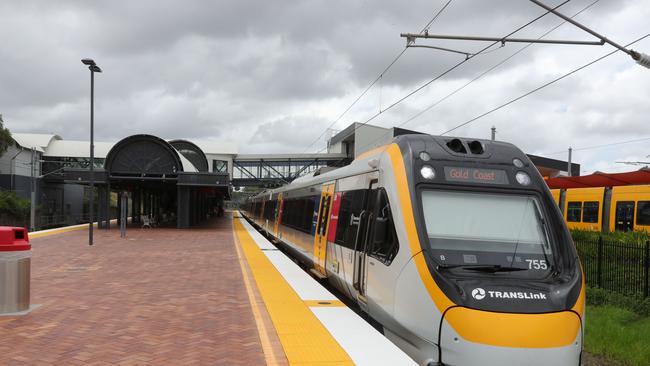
(454,247)
(621,208)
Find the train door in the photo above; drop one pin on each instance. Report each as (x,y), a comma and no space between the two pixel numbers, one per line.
(382,248)
(320,236)
(625,216)
(278,215)
(350,213)
(361,246)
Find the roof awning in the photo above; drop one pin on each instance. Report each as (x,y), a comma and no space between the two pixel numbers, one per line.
(600,179)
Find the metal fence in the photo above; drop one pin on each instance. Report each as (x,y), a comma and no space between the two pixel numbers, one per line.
(614,266)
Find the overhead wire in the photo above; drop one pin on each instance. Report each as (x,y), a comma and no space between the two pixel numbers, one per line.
(599,146)
(501,63)
(609,168)
(542,86)
(378,78)
(418,114)
(439,76)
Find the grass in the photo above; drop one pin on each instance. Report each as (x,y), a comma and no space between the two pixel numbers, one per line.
(618,334)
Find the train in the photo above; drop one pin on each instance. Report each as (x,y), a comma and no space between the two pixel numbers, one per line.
(621,208)
(454,248)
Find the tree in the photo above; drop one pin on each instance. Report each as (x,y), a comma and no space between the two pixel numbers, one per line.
(5,137)
(13,209)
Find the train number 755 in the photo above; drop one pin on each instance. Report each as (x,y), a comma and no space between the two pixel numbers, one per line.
(536,264)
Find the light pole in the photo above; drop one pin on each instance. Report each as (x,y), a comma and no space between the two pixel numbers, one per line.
(92,66)
(32,210)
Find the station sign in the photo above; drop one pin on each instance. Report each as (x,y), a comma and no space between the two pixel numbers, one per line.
(474,175)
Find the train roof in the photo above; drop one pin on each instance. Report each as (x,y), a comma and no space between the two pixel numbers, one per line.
(447,148)
(441,148)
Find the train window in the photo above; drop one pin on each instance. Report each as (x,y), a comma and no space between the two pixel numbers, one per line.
(269,210)
(484,222)
(286,212)
(289,213)
(310,205)
(643,213)
(386,248)
(258,209)
(574,211)
(590,212)
(352,203)
(298,213)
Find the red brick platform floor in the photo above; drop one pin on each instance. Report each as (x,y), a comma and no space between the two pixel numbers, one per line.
(159,297)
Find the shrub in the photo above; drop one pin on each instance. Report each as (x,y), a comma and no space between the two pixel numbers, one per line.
(597,296)
(636,304)
(643,307)
(13,207)
(630,237)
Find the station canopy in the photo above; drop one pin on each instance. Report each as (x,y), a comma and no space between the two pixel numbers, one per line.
(600,179)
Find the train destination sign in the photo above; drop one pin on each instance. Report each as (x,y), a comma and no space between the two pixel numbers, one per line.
(473,175)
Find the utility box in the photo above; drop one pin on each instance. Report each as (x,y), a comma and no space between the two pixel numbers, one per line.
(15,269)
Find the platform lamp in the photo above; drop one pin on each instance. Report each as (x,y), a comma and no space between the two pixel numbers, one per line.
(92,66)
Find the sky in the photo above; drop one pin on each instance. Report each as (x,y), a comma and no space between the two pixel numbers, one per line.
(273,76)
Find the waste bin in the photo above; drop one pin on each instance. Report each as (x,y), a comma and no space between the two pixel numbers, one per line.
(15,269)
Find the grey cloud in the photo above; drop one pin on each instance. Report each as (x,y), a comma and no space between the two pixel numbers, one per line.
(271,76)
(280,135)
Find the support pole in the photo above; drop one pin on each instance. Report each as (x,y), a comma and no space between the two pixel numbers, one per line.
(124,203)
(604,39)
(32,210)
(91,208)
(569,163)
(413,36)
(108,205)
(101,214)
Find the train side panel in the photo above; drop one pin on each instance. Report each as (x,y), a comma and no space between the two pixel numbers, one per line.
(630,209)
(584,207)
(556,195)
(297,226)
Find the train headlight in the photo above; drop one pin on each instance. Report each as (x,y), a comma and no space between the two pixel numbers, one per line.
(523,178)
(428,172)
(518,163)
(425,156)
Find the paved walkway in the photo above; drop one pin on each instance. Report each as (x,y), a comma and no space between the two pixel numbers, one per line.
(159,297)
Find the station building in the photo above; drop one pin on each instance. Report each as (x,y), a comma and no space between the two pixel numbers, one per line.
(176,182)
(179,182)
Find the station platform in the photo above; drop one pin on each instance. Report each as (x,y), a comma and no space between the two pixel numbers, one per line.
(216,295)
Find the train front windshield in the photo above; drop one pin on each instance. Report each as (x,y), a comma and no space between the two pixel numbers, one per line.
(474,231)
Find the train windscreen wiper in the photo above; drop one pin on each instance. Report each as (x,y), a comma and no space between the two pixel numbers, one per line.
(490,268)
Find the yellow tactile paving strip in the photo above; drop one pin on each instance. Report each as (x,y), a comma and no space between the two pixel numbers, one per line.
(304,338)
(256,306)
(65,229)
(39,234)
